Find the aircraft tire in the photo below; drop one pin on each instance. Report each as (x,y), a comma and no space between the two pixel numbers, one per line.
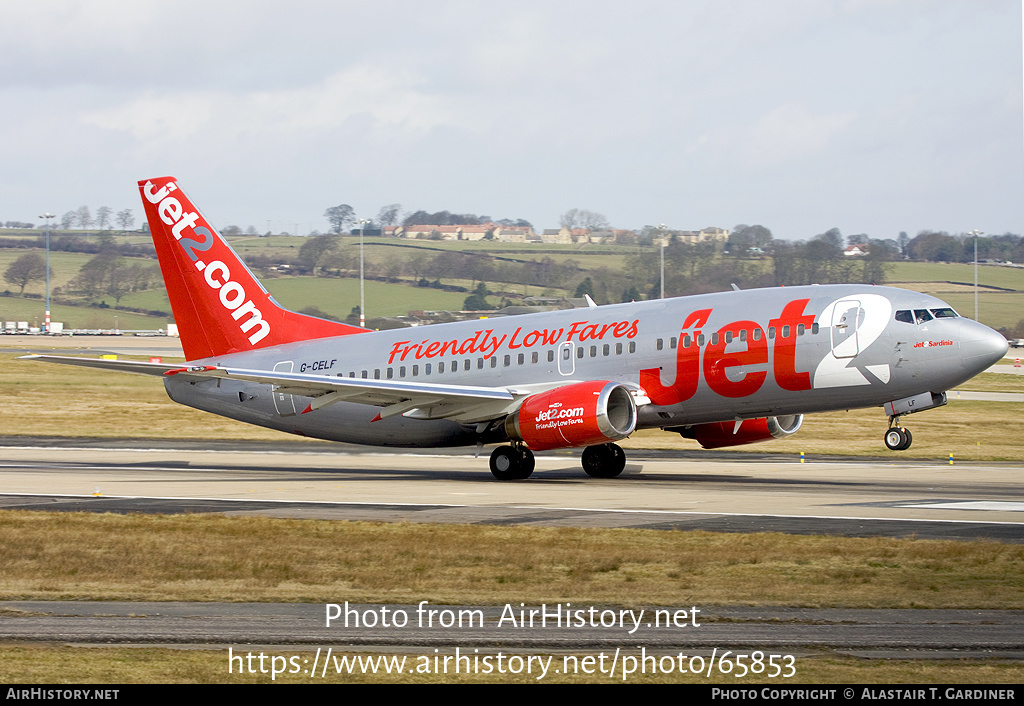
(908,439)
(508,463)
(895,439)
(604,461)
(527,464)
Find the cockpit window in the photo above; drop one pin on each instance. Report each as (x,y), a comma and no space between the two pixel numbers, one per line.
(905,315)
(946,313)
(922,315)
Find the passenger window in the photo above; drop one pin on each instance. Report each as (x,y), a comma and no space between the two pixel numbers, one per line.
(521,359)
(391,373)
(618,349)
(440,367)
(579,352)
(535,357)
(785,331)
(551,356)
(606,350)
(814,328)
(672,342)
(415,370)
(376,374)
(426,369)
(632,346)
(728,336)
(659,344)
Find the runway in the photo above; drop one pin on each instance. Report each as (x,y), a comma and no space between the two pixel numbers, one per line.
(659,490)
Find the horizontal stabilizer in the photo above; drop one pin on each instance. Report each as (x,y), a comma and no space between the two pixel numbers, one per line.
(122,366)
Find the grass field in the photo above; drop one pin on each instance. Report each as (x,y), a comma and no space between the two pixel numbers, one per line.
(990,275)
(337,297)
(66,556)
(65,266)
(33,312)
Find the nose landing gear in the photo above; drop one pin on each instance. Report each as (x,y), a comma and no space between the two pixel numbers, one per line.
(896,437)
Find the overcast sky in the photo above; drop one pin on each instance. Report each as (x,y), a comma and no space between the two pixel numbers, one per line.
(873,116)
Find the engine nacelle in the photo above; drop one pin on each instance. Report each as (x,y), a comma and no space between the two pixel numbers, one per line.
(582,414)
(720,434)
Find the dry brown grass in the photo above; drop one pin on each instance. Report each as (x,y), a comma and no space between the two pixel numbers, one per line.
(43,399)
(214,558)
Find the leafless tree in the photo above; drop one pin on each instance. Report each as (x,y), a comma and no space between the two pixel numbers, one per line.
(125,219)
(84,217)
(103,217)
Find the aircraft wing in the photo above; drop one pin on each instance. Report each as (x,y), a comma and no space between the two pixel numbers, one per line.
(417,400)
(413,399)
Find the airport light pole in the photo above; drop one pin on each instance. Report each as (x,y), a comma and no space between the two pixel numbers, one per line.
(663,229)
(975,233)
(362,295)
(47,216)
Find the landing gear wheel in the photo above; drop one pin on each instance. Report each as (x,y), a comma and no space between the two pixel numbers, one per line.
(605,461)
(509,463)
(898,439)
(908,440)
(527,462)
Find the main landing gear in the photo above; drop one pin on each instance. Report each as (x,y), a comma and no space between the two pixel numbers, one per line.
(604,461)
(896,437)
(512,462)
(516,462)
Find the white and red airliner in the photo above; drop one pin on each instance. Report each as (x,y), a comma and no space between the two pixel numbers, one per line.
(724,369)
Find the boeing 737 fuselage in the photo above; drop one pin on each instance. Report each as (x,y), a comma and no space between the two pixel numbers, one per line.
(724,369)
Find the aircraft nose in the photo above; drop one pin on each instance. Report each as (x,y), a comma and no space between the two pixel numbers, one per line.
(980,346)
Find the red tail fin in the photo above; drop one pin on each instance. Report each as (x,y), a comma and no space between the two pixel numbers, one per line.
(219,306)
